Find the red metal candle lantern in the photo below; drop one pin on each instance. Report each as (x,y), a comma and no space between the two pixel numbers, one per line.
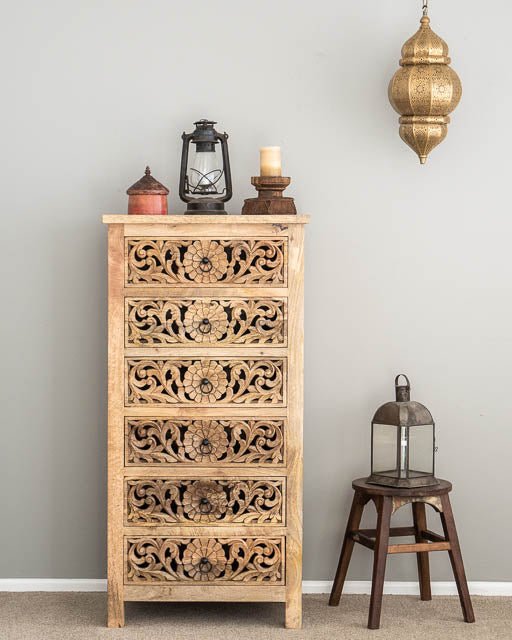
(147,196)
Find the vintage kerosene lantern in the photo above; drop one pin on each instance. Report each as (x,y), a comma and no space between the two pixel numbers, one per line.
(205,176)
(403,442)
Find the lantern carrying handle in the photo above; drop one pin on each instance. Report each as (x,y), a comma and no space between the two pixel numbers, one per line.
(403,392)
(404,376)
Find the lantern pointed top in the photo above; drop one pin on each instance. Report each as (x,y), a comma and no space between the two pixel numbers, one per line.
(425,47)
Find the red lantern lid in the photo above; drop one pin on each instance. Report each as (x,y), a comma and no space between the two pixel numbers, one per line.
(147,185)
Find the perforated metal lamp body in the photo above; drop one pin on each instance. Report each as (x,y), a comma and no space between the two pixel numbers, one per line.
(205,176)
(403,442)
(425,90)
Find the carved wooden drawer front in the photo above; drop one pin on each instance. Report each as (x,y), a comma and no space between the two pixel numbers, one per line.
(204,560)
(157,322)
(206,261)
(159,501)
(157,441)
(205,381)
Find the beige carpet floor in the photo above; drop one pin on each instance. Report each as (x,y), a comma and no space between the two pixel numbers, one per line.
(81,616)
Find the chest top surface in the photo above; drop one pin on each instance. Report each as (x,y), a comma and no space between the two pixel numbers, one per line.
(204,220)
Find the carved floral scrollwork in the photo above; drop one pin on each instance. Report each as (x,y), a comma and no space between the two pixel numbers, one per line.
(151,559)
(161,441)
(161,321)
(205,381)
(206,261)
(163,501)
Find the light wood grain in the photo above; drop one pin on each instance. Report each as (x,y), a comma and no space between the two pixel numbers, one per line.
(115,425)
(191,411)
(210,471)
(173,474)
(195,352)
(205,292)
(204,221)
(211,593)
(204,531)
(293,617)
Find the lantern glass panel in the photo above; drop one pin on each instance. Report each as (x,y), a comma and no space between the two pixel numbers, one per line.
(384,450)
(205,172)
(421,450)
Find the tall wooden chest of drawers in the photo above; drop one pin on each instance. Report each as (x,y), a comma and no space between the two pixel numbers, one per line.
(205,401)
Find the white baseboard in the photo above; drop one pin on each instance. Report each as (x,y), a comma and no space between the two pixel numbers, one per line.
(410,588)
(52,584)
(308,586)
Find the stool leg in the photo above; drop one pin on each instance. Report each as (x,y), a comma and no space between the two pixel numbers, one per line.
(354,519)
(450,533)
(420,524)
(384,510)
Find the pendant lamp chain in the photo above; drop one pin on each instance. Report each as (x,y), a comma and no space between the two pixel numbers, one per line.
(425,7)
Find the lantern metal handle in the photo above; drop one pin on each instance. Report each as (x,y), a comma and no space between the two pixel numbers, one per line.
(402,392)
(403,376)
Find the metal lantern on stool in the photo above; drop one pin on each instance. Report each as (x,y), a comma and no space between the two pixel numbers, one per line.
(205,177)
(403,442)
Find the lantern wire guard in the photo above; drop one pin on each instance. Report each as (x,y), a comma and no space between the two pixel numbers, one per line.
(425,90)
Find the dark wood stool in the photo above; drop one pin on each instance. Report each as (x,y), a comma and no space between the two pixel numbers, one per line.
(387,500)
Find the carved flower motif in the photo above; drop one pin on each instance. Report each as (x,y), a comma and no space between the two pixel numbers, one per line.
(205,261)
(204,560)
(205,441)
(206,321)
(205,381)
(205,501)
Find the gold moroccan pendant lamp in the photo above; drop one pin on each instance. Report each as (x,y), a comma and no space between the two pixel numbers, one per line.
(424,90)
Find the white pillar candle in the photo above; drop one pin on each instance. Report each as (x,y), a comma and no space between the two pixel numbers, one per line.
(270,161)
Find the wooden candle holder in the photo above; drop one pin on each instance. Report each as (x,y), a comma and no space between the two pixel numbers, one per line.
(270,200)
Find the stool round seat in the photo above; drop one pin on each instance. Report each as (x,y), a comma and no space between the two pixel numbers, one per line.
(380,490)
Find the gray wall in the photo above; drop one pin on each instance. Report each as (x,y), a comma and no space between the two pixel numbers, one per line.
(408,267)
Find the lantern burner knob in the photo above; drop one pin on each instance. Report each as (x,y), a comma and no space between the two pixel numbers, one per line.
(403,392)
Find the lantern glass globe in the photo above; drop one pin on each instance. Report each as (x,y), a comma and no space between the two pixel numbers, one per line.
(205,173)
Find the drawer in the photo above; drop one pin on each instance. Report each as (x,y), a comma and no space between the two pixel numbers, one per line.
(157,441)
(204,501)
(205,381)
(151,322)
(204,262)
(205,560)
